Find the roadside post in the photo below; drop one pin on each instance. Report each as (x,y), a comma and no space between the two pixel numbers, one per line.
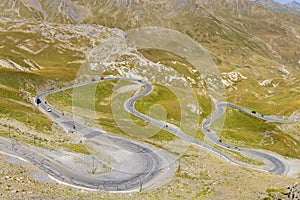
(35,137)
(141,186)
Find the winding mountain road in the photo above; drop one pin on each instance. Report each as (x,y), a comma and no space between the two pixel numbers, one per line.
(135,162)
(275,164)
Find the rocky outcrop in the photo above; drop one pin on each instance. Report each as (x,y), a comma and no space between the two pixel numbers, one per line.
(294,192)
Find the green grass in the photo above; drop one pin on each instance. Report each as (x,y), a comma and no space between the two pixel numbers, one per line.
(76,148)
(245,130)
(242,158)
(163,96)
(14,102)
(205,191)
(160,95)
(282,102)
(238,156)
(19,80)
(28,115)
(57,59)
(63,101)
(10,93)
(273,192)
(61,75)
(18,88)
(58,69)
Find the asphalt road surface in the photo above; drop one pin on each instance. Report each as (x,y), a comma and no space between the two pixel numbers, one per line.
(134,164)
(141,163)
(273,163)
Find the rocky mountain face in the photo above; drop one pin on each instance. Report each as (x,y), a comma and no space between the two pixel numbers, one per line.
(244,37)
(294,5)
(244,26)
(63,11)
(277,7)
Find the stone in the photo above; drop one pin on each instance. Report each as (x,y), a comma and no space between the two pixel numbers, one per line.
(294,192)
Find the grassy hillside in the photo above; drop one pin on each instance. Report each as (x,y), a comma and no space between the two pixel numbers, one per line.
(244,130)
(43,44)
(35,58)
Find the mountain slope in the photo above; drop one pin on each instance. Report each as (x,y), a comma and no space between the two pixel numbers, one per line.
(294,5)
(44,42)
(277,7)
(242,36)
(64,11)
(210,22)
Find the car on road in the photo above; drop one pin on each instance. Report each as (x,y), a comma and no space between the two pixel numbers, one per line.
(102,78)
(208,130)
(38,101)
(49,109)
(253,112)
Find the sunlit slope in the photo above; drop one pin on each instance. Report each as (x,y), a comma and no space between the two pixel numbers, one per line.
(235,31)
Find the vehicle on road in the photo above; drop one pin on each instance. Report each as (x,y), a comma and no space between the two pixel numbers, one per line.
(49,110)
(38,101)
(276,165)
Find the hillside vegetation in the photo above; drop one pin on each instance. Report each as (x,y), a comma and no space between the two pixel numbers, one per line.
(255,46)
